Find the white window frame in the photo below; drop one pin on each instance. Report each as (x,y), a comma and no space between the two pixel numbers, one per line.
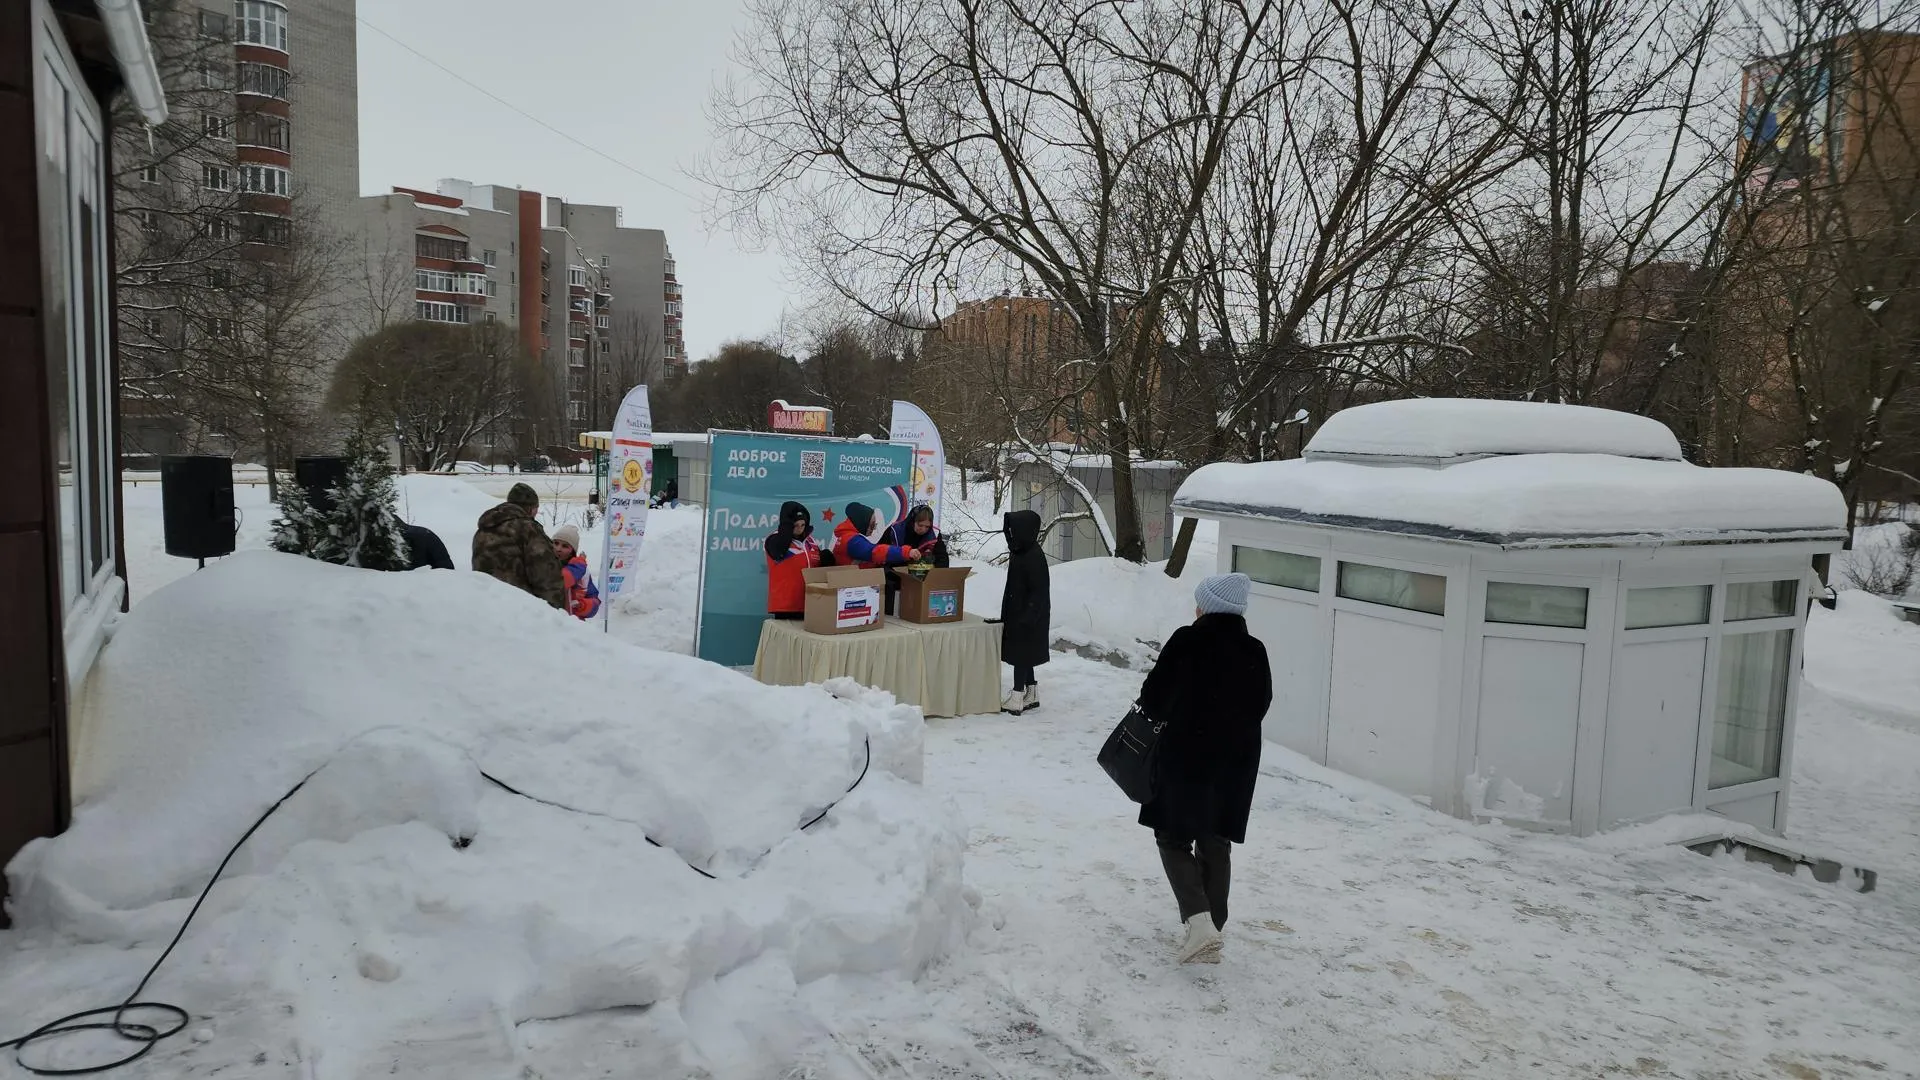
(216,126)
(214,177)
(96,591)
(149,174)
(266,180)
(260,22)
(217,227)
(440,311)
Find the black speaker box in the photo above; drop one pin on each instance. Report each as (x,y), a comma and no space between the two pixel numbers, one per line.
(196,506)
(319,476)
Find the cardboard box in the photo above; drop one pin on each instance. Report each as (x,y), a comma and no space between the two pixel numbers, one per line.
(844,599)
(938,597)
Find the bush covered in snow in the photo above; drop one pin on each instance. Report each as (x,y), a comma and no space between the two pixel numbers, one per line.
(361,528)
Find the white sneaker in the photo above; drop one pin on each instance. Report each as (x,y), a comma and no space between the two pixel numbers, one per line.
(1203,941)
(1016,703)
(1032,699)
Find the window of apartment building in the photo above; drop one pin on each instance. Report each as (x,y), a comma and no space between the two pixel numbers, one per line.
(673,307)
(214,24)
(213,74)
(490,316)
(437,311)
(216,178)
(219,277)
(149,325)
(433,281)
(216,127)
(490,257)
(668,267)
(260,129)
(576,410)
(216,227)
(262,79)
(490,287)
(604,322)
(220,328)
(261,22)
(147,220)
(267,229)
(576,275)
(149,174)
(265,180)
(440,247)
(606,261)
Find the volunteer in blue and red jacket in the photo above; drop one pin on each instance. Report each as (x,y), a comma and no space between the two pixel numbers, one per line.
(791,550)
(918,532)
(852,544)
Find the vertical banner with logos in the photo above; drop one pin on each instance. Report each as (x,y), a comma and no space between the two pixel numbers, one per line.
(912,425)
(751,475)
(629,486)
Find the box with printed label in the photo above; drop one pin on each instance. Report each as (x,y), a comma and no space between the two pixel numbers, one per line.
(932,595)
(843,599)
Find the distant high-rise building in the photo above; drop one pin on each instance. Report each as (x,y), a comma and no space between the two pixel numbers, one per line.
(597,302)
(264,140)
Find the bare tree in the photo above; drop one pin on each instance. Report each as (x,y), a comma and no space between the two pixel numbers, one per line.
(440,387)
(635,357)
(906,148)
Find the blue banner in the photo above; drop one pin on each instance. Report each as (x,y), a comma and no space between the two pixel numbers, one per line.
(752,474)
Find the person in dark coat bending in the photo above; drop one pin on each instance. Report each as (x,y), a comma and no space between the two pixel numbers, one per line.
(1026,610)
(1211,688)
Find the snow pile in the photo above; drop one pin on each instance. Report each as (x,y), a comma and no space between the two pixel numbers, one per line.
(1866,654)
(1108,608)
(403,893)
(1444,430)
(448,505)
(1528,497)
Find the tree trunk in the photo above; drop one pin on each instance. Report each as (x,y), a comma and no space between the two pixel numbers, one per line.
(1177,562)
(1129,542)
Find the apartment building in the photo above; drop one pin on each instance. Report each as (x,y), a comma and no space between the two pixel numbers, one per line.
(596,301)
(263,139)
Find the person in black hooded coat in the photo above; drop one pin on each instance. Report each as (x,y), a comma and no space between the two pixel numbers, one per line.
(1211,687)
(1026,610)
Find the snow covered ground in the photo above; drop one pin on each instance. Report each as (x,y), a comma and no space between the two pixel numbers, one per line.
(1370,937)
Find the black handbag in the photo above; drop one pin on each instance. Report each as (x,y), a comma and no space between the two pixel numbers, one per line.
(1132,754)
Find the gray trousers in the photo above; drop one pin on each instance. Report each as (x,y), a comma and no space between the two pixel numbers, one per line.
(1199,871)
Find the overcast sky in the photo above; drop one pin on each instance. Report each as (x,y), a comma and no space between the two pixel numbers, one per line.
(629,78)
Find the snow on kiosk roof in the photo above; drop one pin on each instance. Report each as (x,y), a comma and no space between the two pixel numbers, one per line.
(1440,431)
(1517,475)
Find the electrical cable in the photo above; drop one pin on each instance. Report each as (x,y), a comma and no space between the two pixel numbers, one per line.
(582,144)
(147,1036)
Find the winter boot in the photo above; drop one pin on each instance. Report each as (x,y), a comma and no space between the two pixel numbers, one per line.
(1016,702)
(1203,941)
(1031,700)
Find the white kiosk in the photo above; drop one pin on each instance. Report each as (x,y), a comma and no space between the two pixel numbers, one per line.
(1536,613)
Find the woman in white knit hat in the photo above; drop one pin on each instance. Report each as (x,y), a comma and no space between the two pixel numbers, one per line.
(1211,688)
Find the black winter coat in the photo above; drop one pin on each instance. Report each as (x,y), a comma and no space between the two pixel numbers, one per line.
(1211,687)
(1026,609)
(425,548)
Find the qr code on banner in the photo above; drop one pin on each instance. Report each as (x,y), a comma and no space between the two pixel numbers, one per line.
(813,464)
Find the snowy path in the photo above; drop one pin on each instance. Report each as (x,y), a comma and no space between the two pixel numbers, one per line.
(1372,938)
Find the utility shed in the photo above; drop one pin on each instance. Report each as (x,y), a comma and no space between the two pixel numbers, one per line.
(1537,613)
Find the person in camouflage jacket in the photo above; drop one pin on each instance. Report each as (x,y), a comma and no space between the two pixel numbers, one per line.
(510,544)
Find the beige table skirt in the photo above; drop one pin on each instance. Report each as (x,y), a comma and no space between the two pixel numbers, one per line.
(948,669)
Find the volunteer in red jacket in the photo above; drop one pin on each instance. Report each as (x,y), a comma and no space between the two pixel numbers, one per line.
(791,550)
(851,543)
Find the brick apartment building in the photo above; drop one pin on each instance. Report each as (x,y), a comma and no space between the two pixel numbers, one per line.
(598,302)
(1023,343)
(265,129)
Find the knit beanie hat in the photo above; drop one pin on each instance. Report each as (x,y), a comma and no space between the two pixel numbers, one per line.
(861,515)
(1223,594)
(523,496)
(568,535)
